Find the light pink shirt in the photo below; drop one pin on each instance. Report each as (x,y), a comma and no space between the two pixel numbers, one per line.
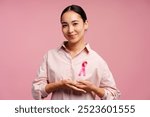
(87,65)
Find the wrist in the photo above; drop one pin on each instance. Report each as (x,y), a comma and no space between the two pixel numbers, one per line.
(60,83)
(94,88)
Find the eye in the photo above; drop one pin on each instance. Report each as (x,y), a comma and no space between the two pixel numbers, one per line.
(74,24)
(64,25)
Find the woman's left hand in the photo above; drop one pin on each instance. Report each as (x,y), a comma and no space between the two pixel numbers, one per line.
(85,85)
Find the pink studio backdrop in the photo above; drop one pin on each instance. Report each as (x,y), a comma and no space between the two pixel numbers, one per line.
(119,30)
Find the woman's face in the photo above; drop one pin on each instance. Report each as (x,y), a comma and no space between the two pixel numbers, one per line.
(73,27)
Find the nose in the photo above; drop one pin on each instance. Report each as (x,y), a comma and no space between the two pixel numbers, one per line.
(70,29)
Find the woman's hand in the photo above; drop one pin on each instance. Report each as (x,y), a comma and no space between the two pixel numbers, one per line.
(85,85)
(69,84)
(90,87)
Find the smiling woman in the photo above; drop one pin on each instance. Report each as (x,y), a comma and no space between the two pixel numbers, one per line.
(74,70)
(74,24)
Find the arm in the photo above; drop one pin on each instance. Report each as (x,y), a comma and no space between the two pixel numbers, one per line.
(38,88)
(38,85)
(107,92)
(108,83)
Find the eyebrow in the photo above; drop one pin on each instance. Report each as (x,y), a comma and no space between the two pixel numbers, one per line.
(71,21)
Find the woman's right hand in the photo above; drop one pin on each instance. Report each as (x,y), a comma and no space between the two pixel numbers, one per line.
(70,84)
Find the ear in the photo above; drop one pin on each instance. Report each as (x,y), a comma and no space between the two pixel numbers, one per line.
(86,25)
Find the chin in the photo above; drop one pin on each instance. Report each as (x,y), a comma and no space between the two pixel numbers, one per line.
(73,41)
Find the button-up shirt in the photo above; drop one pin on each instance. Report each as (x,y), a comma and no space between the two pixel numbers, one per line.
(86,65)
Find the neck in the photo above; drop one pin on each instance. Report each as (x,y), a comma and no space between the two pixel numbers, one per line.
(75,47)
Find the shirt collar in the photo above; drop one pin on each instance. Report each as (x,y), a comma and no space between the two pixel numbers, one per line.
(62,46)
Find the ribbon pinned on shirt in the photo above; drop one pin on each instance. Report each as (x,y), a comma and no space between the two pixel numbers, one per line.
(82,71)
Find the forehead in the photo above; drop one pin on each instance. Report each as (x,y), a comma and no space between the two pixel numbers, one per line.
(70,16)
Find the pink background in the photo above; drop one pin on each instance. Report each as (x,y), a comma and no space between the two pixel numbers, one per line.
(119,30)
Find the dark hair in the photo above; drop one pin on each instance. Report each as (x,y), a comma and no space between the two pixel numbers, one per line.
(76,9)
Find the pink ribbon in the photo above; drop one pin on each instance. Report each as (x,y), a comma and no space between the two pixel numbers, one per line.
(82,71)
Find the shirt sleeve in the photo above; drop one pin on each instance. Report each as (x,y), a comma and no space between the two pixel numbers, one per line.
(38,85)
(108,83)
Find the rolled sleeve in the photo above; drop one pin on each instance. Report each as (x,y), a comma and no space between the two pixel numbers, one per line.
(38,89)
(39,84)
(108,83)
(111,95)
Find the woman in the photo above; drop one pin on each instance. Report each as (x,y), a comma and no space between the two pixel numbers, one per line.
(74,70)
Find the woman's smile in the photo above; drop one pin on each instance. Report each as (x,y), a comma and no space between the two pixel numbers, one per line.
(72,36)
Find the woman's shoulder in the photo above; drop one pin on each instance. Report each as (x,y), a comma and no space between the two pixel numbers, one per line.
(52,52)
